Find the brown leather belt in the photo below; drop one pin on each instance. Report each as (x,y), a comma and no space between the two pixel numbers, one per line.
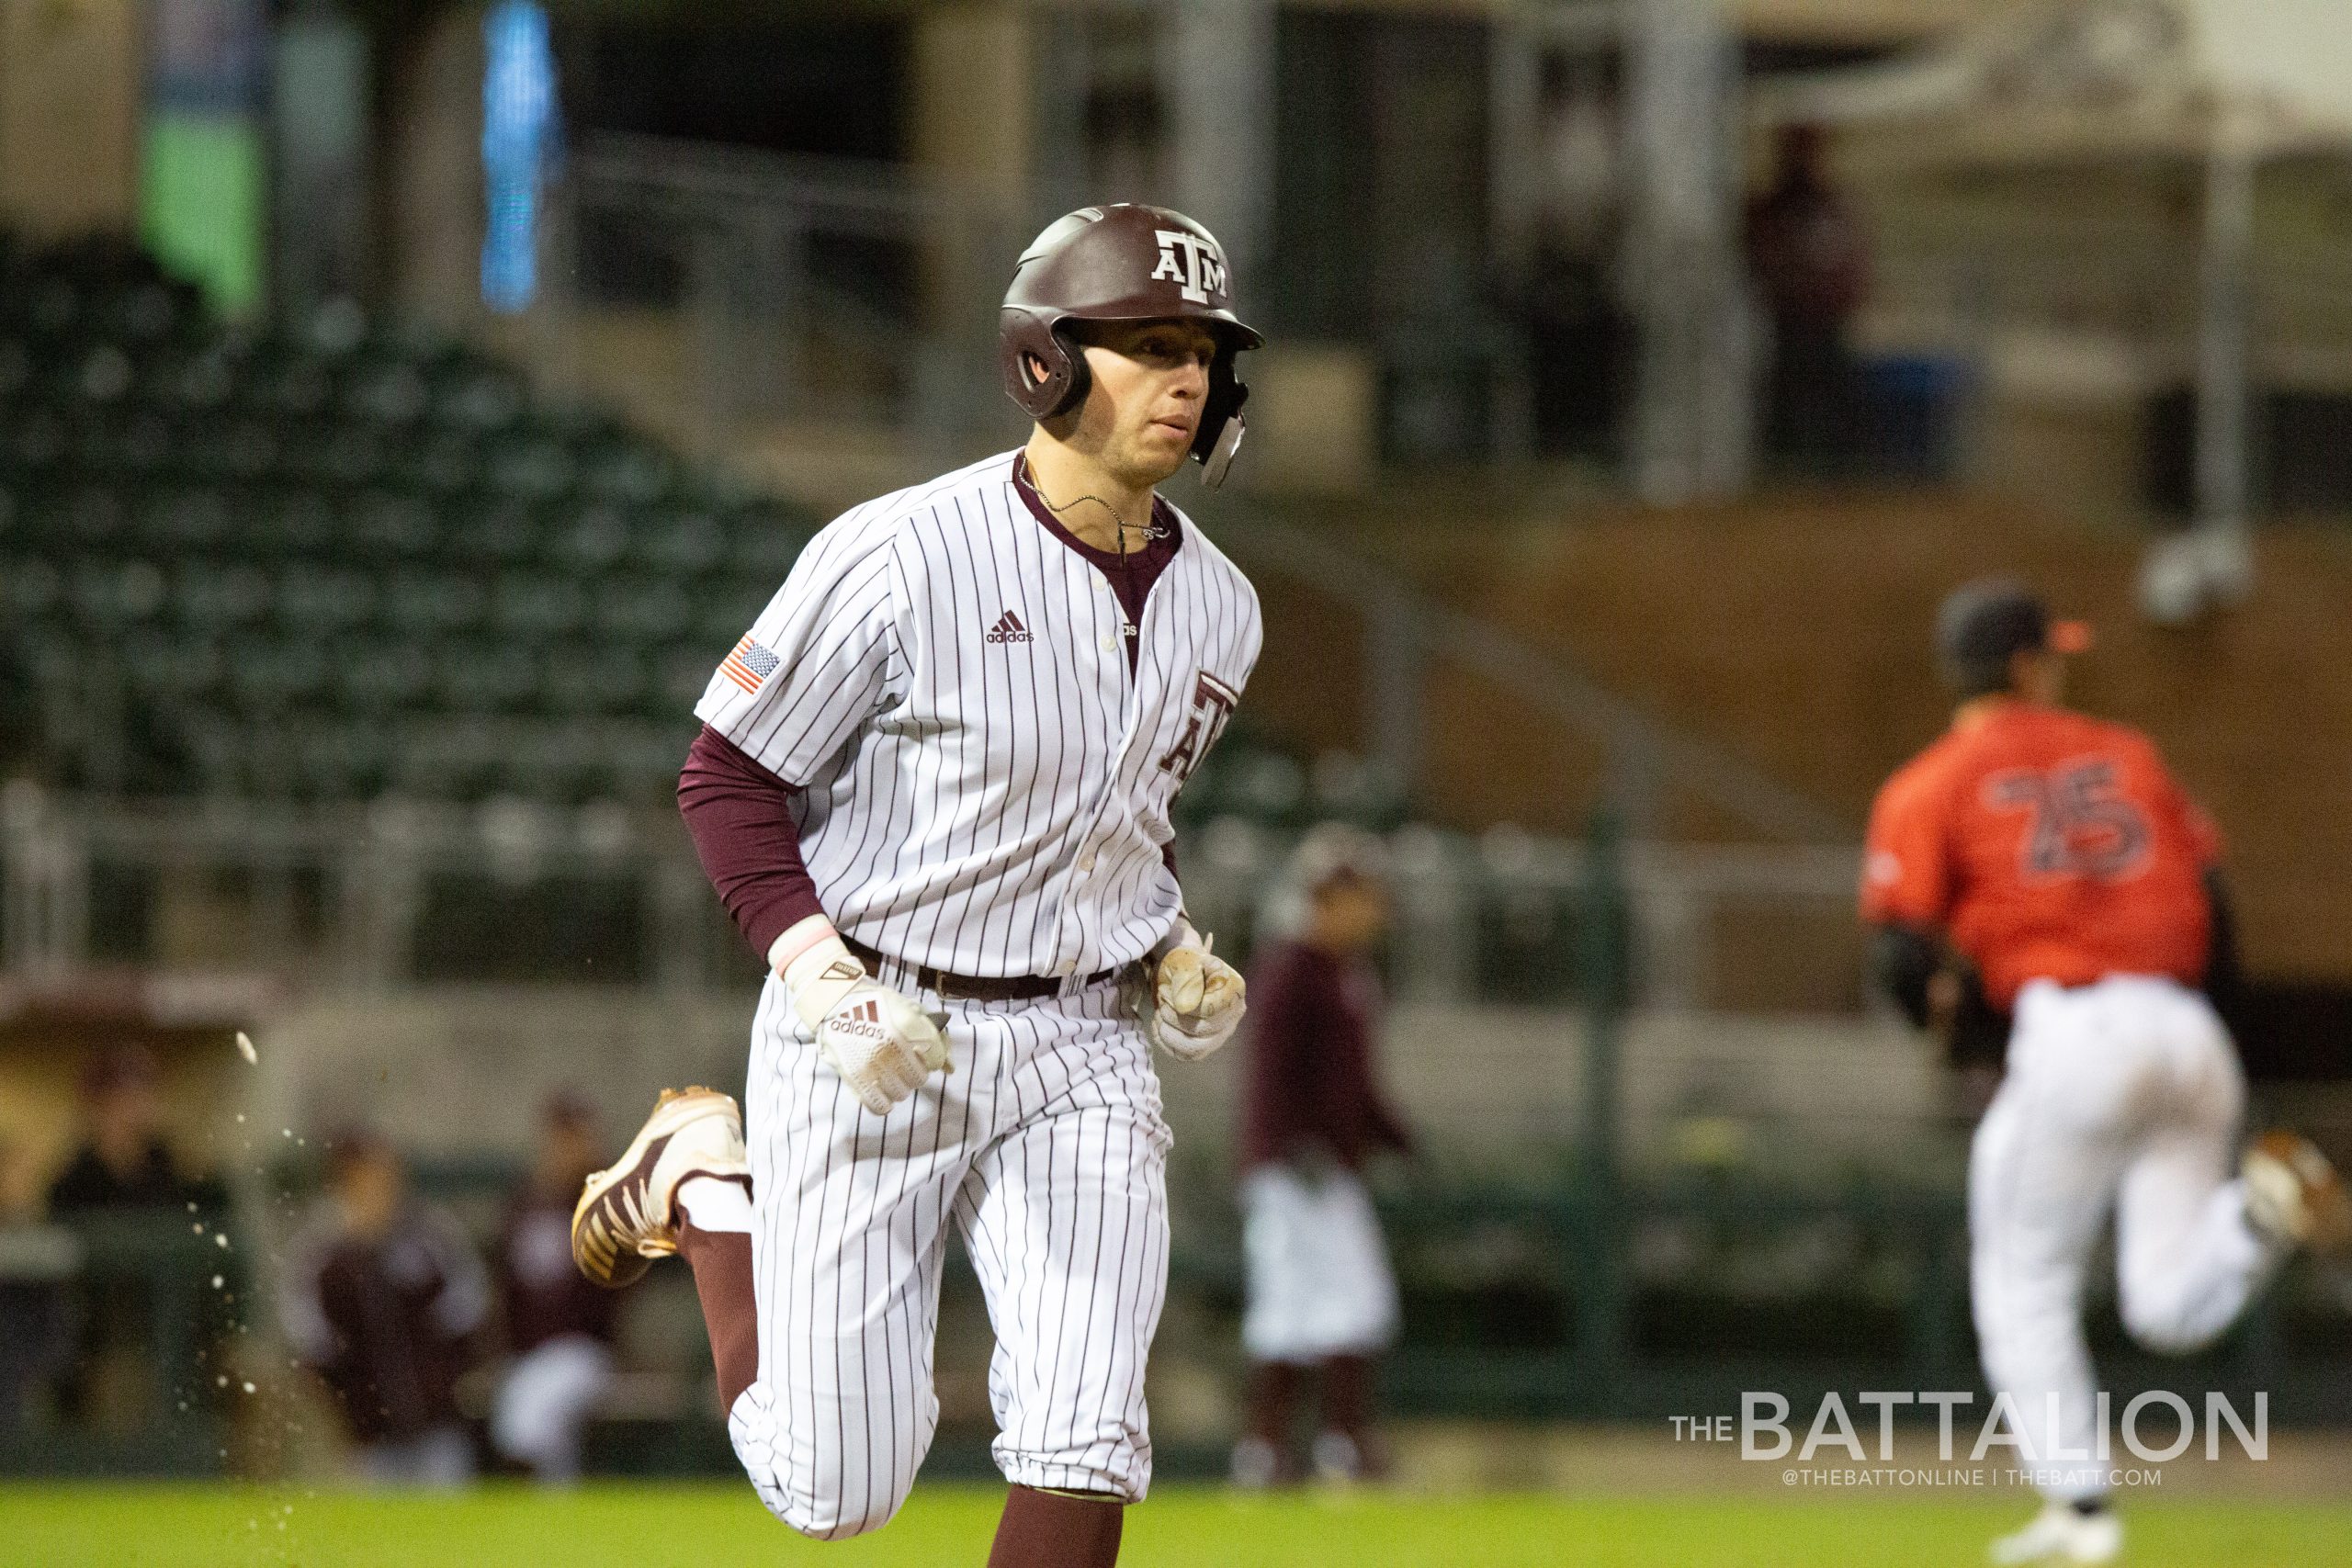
(974,988)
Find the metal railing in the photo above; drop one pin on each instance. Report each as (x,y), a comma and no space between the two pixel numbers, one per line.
(794,287)
(402,893)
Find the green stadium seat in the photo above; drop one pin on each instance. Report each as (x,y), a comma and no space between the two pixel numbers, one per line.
(114,596)
(477,398)
(590,541)
(220,601)
(174,669)
(53,306)
(204,381)
(103,378)
(298,522)
(99,445)
(344,762)
(642,759)
(95,516)
(185,520)
(629,473)
(336,330)
(15,370)
(1265,787)
(484,676)
(32,588)
(270,677)
(450,761)
(765,544)
(531,606)
(721,618)
(376,676)
(242,446)
(533,469)
(147,313)
(429,605)
(322,600)
(289,383)
(439,463)
(498,533)
(387,392)
(679,544)
(594,678)
(683,674)
(344,454)
(36,442)
(645,613)
(391,524)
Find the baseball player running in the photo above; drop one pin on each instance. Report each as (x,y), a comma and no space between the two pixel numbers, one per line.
(934,788)
(2051,858)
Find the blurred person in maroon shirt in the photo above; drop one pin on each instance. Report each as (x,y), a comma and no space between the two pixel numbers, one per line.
(559,1326)
(1322,1300)
(382,1296)
(1810,259)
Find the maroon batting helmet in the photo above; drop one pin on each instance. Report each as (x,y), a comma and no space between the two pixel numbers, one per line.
(1123,263)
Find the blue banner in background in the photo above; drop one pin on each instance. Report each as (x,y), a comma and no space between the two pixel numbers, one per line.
(518,143)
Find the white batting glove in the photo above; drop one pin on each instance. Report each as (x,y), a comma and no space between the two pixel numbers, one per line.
(881,1043)
(1196,1002)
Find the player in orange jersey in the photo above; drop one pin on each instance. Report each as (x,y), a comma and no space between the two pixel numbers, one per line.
(2050,861)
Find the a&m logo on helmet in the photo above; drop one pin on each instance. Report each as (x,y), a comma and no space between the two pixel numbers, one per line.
(1191,263)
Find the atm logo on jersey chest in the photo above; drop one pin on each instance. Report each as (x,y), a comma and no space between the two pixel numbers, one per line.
(1213,704)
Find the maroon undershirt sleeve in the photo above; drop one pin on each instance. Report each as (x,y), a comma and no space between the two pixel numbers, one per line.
(739,815)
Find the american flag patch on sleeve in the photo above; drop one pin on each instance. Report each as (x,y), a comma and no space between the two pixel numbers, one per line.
(749,665)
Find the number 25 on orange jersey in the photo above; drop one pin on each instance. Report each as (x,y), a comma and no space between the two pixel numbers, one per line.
(2080,823)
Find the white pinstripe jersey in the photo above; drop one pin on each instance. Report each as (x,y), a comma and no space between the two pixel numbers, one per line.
(987,788)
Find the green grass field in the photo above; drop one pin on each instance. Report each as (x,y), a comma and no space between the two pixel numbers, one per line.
(723,1527)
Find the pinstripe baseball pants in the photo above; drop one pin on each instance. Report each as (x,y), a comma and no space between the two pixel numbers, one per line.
(1046,1148)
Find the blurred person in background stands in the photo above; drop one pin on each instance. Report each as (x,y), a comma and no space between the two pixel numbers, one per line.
(1579,336)
(558,1325)
(1321,1297)
(123,1161)
(122,1169)
(1811,268)
(381,1295)
(31,1310)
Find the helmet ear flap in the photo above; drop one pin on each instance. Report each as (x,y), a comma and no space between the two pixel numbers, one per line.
(1073,375)
(1063,385)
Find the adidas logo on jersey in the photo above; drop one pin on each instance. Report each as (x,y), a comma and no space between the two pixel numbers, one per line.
(1008,628)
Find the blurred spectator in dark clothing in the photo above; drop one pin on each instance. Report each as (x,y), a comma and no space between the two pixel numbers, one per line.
(1580,339)
(1580,346)
(558,1326)
(31,1303)
(123,1161)
(1811,268)
(1322,1300)
(20,728)
(381,1295)
(124,1169)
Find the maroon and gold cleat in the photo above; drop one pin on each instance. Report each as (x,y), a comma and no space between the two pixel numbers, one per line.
(628,1212)
(2294,1195)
